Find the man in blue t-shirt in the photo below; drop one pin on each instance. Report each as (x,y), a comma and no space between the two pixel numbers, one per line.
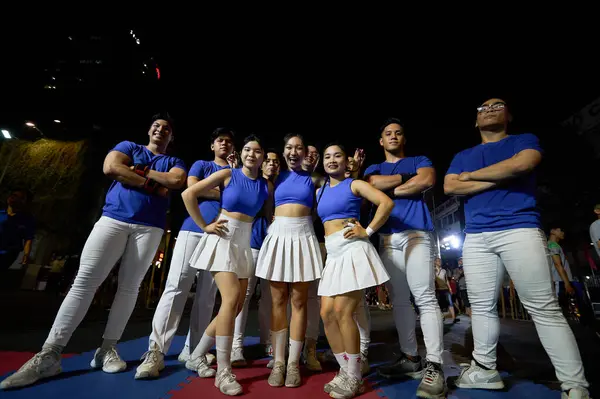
(405,247)
(270,170)
(130,229)
(17,228)
(181,275)
(503,233)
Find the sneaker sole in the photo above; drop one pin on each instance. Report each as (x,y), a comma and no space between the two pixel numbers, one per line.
(42,377)
(147,375)
(485,385)
(428,395)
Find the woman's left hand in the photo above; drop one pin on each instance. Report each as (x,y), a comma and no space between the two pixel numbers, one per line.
(355,231)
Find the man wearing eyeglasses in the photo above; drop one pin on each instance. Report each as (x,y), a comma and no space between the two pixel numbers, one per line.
(503,232)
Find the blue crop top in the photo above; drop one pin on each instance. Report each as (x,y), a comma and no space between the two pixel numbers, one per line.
(294,188)
(338,202)
(243,194)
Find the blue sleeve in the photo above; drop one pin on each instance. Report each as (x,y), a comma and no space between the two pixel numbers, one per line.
(423,162)
(125,147)
(178,163)
(197,170)
(373,170)
(456,166)
(527,141)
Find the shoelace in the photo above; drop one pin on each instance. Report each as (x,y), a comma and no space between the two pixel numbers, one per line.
(228,377)
(150,356)
(111,355)
(431,373)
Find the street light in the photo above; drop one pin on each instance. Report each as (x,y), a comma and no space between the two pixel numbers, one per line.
(30,124)
(6,134)
(56,121)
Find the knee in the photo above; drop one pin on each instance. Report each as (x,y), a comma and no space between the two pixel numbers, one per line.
(278,300)
(298,302)
(344,314)
(328,315)
(231,300)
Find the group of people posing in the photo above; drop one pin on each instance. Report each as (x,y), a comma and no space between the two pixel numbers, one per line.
(276,221)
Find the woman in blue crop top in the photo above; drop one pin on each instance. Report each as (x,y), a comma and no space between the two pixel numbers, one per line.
(225,251)
(352,264)
(290,259)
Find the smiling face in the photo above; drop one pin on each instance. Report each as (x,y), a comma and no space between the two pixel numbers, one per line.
(160,133)
(335,161)
(294,152)
(252,155)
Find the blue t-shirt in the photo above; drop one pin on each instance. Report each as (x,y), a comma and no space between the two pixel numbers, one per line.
(15,230)
(209,209)
(410,213)
(512,204)
(133,205)
(259,232)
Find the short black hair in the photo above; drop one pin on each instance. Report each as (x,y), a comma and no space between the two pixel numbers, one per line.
(389,121)
(222,131)
(335,143)
(28,194)
(274,151)
(164,116)
(292,135)
(253,137)
(311,145)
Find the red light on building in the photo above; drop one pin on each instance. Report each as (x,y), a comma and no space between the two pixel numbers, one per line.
(157,73)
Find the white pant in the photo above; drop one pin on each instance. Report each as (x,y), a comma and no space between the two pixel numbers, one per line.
(109,240)
(524,254)
(408,258)
(264,310)
(172,302)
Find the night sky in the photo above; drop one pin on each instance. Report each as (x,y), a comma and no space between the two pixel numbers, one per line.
(334,86)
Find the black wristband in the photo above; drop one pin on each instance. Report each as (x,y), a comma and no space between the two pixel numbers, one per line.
(150,186)
(407,176)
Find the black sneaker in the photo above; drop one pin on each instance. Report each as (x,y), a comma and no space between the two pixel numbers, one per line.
(403,368)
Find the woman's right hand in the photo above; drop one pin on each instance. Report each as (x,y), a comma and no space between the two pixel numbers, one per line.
(219,228)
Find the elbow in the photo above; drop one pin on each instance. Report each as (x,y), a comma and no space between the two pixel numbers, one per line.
(177,182)
(110,170)
(389,205)
(448,189)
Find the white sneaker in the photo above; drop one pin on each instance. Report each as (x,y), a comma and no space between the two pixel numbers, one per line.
(200,365)
(153,363)
(237,357)
(184,356)
(335,382)
(576,393)
(109,360)
(227,384)
(43,365)
(474,377)
(348,387)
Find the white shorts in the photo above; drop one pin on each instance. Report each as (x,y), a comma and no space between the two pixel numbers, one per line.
(352,264)
(231,253)
(290,252)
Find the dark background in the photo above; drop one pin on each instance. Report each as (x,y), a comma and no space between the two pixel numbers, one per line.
(326,85)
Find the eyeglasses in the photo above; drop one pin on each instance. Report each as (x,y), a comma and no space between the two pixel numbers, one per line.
(493,107)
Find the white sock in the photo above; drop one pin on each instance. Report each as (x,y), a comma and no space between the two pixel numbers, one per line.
(342,360)
(224,352)
(354,364)
(206,342)
(279,339)
(295,350)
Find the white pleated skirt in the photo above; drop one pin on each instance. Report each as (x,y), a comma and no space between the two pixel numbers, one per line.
(290,252)
(352,264)
(231,253)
